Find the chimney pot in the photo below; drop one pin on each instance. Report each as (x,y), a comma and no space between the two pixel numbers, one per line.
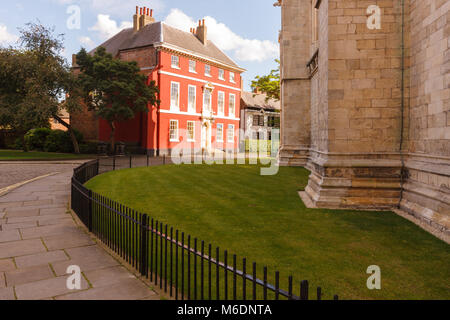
(140,11)
(199,23)
(137,9)
(151,13)
(203,21)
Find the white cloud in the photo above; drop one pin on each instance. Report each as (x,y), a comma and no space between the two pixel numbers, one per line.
(243,49)
(5,36)
(106,27)
(86,41)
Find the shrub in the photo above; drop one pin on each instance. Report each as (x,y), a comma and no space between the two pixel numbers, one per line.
(88,148)
(59,141)
(35,138)
(18,144)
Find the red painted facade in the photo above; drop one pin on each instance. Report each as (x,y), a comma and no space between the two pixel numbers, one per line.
(151,131)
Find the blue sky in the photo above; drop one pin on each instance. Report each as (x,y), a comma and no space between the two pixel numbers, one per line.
(247,30)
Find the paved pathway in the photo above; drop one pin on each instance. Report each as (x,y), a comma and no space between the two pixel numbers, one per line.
(13,172)
(39,239)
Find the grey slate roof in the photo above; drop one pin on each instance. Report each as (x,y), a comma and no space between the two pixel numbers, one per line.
(258,101)
(160,32)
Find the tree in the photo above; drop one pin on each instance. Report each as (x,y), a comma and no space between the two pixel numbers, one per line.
(34,77)
(114,89)
(269,84)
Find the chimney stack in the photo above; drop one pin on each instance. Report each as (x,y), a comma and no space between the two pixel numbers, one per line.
(143,17)
(136,19)
(202,31)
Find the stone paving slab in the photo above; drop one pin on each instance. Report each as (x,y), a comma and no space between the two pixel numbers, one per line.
(21,225)
(87,258)
(108,276)
(7,294)
(50,222)
(21,248)
(46,288)
(39,239)
(56,229)
(21,276)
(21,212)
(38,219)
(7,265)
(9,235)
(41,259)
(57,210)
(130,289)
(67,241)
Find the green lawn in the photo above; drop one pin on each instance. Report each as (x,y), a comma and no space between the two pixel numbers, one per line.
(262,218)
(12,155)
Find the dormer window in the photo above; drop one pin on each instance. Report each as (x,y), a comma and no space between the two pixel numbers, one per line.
(192,66)
(176,62)
(221,74)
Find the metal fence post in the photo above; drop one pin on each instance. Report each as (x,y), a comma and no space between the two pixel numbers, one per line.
(90,211)
(304,290)
(130,160)
(144,245)
(114,162)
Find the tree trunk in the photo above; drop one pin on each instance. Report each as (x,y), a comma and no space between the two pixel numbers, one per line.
(112,138)
(76,147)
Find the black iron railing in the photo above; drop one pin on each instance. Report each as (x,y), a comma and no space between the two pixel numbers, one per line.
(183,267)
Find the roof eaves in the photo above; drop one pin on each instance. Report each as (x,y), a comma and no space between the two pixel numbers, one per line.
(194,54)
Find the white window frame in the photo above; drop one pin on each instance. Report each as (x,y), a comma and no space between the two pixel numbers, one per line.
(177,139)
(232,77)
(207,74)
(232,97)
(219,138)
(219,113)
(193,131)
(222,77)
(230,131)
(194,107)
(175,66)
(172,107)
(209,108)
(194,63)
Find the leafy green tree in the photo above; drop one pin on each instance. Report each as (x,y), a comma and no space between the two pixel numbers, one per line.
(269,84)
(114,89)
(34,79)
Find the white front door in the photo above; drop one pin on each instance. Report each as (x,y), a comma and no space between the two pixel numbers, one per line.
(206,136)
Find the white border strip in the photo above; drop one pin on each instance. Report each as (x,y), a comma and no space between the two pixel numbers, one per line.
(198,80)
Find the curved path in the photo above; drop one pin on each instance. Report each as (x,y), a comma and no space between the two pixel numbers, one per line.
(39,239)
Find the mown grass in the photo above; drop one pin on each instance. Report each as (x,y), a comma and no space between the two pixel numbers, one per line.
(12,155)
(262,218)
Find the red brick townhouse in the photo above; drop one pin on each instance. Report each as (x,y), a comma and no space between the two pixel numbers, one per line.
(200,90)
